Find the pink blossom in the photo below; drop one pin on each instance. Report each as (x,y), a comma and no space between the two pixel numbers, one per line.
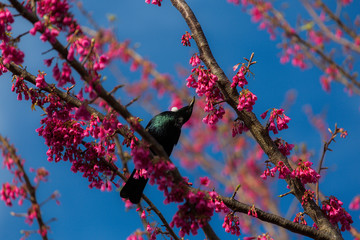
(38,26)
(11,54)
(6,19)
(316,37)
(236,2)
(343,132)
(256,14)
(338,33)
(308,195)
(194,60)
(238,127)
(325,83)
(57,13)
(205,84)
(252,211)
(239,79)
(284,171)
(355,203)
(246,100)
(299,218)
(185,39)
(155,2)
(143,215)
(193,214)
(346,2)
(134,66)
(82,113)
(48,62)
(277,121)
(41,175)
(283,146)
(231,224)
(101,64)
(305,173)
(32,214)
(63,77)
(336,213)
(204,181)
(40,80)
(71,52)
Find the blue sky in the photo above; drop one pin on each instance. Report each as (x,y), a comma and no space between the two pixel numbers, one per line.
(90,214)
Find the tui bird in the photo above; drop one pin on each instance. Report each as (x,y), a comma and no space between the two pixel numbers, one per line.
(165,128)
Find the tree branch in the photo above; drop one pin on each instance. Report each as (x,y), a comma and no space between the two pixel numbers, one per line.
(29,187)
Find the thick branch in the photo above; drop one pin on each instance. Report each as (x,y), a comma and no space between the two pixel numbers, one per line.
(275,219)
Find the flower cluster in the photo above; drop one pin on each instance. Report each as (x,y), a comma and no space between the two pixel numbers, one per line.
(41,174)
(231,224)
(308,195)
(346,2)
(194,60)
(193,214)
(153,231)
(205,84)
(283,146)
(157,171)
(298,57)
(257,12)
(6,19)
(281,167)
(135,236)
(40,80)
(20,88)
(185,39)
(355,203)
(252,211)
(64,137)
(82,45)
(336,213)
(32,213)
(316,37)
(155,2)
(246,100)
(56,13)
(276,116)
(299,218)
(219,204)
(141,157)
(331,73)
(236,2)
(305,173)
(205,181)
(11,192)
(47,34)
(239,78)
(238,127)
(11,54)
(64,76)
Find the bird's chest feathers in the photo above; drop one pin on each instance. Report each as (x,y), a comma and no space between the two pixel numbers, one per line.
(165,128)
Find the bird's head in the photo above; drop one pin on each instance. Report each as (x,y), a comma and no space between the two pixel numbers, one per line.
(183,114)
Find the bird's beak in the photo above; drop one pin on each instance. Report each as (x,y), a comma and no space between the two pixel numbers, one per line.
(191,104)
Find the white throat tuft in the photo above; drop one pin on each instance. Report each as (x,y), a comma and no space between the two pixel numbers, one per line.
(174,109)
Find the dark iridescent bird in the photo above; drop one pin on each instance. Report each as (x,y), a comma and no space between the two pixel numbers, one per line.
(166,129)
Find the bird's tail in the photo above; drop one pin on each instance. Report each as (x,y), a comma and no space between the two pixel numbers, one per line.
(134,188)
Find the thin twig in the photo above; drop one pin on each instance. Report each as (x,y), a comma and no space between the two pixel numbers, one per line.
(29,187)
